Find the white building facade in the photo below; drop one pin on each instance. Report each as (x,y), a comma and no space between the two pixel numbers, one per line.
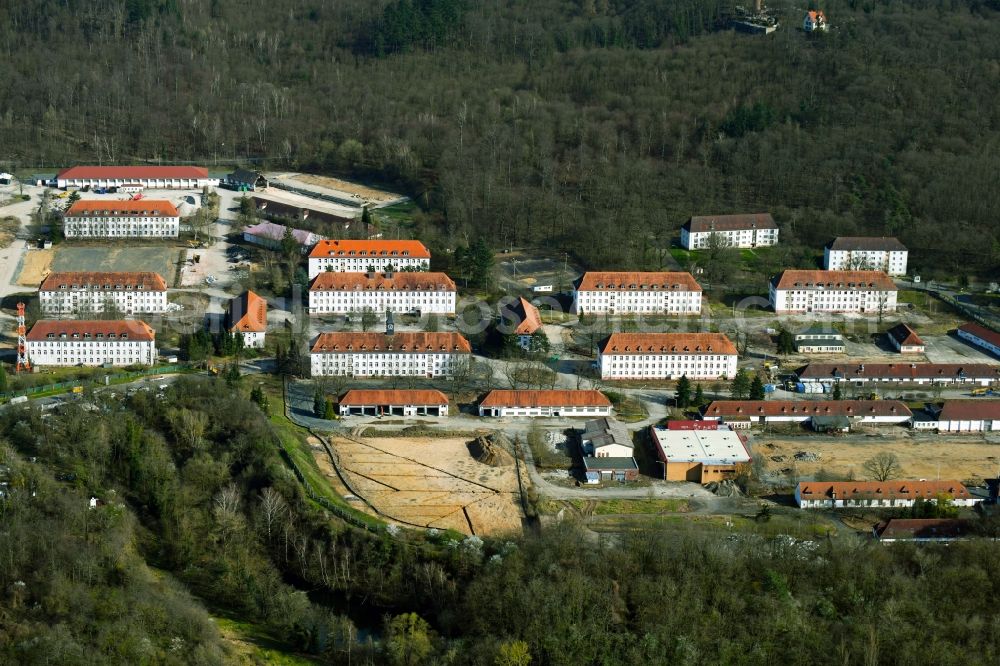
(879,494)
(866,254)
(360,256)
(342,293)
(803,291)
(750,230)
(158,177)
(121,219)
(980,336)
(379,355)
(91,343)
(699,356)
(90,293)
(667,293)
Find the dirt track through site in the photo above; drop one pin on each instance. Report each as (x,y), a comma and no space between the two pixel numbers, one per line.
(432,482)
(925,457)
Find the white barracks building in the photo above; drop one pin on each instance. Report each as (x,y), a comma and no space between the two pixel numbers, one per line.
(625,292)
(91,343)
(340,293)
(796,291)
(419,354)
(667,356)
(146,218)
(91,293)
(158,177)
(750,230)
(360,256)
(866,254)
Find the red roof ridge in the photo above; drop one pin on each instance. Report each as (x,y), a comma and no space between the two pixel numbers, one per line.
(637,280)
(148,279)
(405,341)
(138,331)
(412,281)
(668,343)
(546,398)
(414,248)
(116,207)
(394,397)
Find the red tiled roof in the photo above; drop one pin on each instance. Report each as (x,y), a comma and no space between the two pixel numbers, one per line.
(556,398)
(531,320)
(867,244)
(668,343)
(854,490)
(970,410)
(112,281)
(394,397)
(382,249)
(249,312)
(901,371)
(637,281)
(112,208)
(137,331)
(133,172)
(922,528)
(749,408)
(834,280)
(981,332)
(413,342)
(905,336)
(418,281)
(702,223)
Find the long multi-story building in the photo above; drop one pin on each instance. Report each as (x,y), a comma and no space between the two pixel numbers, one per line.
(861,253)
(981,374)
(103,218)
(341,293)
(360,256)
(980,336)
(672,293)
(159,177)
(83,294)
(380,355)
(667,356)
(801,291)
(748,230)
(91,343)
(881,494)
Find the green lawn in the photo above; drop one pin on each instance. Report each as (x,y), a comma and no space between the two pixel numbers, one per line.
(627,409)
(258,646)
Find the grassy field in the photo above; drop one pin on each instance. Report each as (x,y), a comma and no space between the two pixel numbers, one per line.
(615,506)
(252,645)
(627,409)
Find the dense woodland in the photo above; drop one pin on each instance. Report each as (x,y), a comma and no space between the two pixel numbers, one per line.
(200,513)
(555,123)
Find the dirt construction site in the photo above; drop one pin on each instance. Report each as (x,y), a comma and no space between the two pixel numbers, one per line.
(921,456)
(439,482)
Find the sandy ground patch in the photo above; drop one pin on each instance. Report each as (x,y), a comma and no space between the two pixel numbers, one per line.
(432,482)
(37,265)
(922,457)
(366,193)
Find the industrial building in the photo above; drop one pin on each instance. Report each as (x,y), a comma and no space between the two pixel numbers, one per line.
(701,456)
(158,177)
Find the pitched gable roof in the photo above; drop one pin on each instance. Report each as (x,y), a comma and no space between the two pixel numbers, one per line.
(981,332)
(107,280)
(756,408)
(530,319)
(668,343)
(406,281)
(905,336)
(248,313)
(133,172)
(834,280)
(112,208)
(541,398)
(866,244)
(860,490)
(129,329)
(394,397)
(379,249)
(637,281)
(404,342)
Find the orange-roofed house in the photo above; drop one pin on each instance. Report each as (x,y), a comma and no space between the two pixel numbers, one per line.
(71,342)
(667,356)
(522,321)
(159,177)
(803,291)
(360,256)
(879,494)
(248,316)
(417,292)
(406,354)
(379,402)
(905,340)
(105,218)
(83,293)
(545,403)
(814,20)
(623,292)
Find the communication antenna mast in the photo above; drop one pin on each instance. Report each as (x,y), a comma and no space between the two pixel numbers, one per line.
(22,344)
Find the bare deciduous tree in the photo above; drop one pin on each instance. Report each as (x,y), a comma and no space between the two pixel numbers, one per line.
(882,466)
